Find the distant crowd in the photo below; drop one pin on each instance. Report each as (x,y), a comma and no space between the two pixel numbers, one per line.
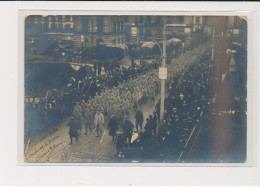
(107,99)
(188,82)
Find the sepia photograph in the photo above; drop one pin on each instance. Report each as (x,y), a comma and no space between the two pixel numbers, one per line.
(135,89)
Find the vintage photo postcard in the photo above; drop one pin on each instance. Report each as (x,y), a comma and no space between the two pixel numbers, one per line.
(135,89)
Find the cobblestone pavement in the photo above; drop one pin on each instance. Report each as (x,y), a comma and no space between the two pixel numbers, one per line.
(55,145)
(92,149)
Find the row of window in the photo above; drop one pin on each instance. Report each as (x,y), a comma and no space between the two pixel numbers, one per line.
(118,26)
(42,19)
(138,20)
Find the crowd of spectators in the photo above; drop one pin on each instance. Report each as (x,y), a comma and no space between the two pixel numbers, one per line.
(186,101)
(186,107)
(121,90)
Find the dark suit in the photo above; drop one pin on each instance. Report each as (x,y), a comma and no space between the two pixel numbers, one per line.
(139,119)
(127,130)
(113,126)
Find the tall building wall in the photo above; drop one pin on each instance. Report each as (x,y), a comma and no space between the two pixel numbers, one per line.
(108,24)
(188,20)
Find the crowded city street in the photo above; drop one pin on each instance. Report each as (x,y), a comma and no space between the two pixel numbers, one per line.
(177,95)
(89,147)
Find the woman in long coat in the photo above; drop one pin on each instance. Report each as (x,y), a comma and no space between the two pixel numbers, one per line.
(113,127)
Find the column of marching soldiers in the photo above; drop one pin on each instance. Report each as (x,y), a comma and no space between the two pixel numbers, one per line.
(45,113)
(110,109)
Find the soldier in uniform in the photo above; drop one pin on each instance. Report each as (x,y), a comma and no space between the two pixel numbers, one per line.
(77,113)
(99,122)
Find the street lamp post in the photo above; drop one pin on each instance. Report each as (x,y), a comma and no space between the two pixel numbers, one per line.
(161,52)
(163,66)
